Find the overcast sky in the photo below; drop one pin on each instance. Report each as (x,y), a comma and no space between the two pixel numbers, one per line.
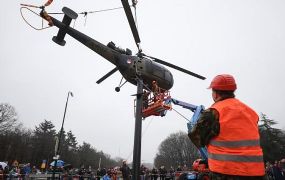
(244,38)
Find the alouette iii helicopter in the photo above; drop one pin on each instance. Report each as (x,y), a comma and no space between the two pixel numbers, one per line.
(130,66)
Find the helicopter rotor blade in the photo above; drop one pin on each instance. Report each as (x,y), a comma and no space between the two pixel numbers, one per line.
(131,21)
(107,75)
(177,68)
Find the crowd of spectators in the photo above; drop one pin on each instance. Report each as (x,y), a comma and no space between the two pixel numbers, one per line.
(16,170)
(24,171)
(274,171)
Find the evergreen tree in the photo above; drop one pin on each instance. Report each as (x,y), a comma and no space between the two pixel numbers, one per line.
(43,142)
(69,149)
(272,140)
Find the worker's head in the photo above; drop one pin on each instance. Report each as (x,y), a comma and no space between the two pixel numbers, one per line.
(124,161)
(223,86)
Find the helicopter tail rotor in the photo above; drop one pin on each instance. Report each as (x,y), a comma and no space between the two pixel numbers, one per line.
(68,16)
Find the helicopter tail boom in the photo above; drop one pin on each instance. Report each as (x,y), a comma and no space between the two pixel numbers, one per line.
(64,28)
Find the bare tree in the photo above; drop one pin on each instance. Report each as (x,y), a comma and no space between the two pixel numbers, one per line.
(8,117)
(176,149)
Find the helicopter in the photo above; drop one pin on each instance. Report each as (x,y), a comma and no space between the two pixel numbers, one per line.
(148,68)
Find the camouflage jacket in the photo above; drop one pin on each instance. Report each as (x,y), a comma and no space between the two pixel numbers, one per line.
(206,128)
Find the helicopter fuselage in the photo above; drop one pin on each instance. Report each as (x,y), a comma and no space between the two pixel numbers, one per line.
(148,70)
(131,67)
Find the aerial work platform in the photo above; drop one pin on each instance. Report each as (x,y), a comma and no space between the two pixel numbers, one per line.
(157,108)
(156,103)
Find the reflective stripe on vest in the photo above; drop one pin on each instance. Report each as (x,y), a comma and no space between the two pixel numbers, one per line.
(235,144)
(235,158)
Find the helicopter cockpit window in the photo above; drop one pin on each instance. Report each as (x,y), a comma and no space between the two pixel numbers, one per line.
(168,76)
(158,71)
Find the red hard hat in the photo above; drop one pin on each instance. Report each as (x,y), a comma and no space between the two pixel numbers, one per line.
(223,82)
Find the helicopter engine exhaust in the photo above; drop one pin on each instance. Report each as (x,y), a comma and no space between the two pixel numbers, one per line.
(68,16)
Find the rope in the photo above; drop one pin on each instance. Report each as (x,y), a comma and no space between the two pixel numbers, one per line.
(136,17)
(90,12)
(134,3)
(102,10)
(29,5)
(149,125)
(181,114)
(85,15)
(28,22)
(144,131)
(136,24)
(46,15)
(74,23)
(43,14)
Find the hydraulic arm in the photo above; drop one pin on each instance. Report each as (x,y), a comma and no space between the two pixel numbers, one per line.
(197,110)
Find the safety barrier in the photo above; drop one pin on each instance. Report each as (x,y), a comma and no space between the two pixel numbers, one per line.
(12,176)
(44,176)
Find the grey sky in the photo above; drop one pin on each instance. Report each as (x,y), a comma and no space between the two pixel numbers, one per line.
(242,37)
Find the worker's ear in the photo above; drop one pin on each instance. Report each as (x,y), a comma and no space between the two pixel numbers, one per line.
(216,96)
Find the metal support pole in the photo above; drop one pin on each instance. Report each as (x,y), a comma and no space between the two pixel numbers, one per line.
(57,151)
(138,132)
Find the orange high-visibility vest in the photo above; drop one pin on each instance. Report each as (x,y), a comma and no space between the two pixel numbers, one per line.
(236,150)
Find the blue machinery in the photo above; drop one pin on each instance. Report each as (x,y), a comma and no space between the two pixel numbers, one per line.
(197,112)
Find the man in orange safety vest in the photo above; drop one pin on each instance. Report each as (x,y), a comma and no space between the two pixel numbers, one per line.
(229,130)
